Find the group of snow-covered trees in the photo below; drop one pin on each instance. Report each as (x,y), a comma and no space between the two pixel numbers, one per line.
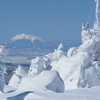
(59,71)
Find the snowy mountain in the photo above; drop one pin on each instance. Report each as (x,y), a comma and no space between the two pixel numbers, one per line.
(22,48)
(26,37)
(22,43)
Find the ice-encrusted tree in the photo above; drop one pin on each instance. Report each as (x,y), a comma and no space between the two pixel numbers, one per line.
(3,52)
(94,34)
(37,66)
(16,79)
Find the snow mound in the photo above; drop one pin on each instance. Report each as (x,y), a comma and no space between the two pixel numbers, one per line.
(26,37)
(46,80)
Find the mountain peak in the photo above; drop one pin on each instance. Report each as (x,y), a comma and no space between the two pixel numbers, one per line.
(26,37)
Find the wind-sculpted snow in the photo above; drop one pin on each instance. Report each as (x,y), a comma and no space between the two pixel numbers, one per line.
(46,80)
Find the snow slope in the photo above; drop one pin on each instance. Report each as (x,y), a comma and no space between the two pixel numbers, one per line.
(80,94)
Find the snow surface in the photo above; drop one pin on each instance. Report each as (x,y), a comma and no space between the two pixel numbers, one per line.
(78,94)
(85,94)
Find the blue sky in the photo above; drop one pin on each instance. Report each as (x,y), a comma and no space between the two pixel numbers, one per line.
(53,20)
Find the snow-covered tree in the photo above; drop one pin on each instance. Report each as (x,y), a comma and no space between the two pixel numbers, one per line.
(16,79)
(37,66)
(3,52)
